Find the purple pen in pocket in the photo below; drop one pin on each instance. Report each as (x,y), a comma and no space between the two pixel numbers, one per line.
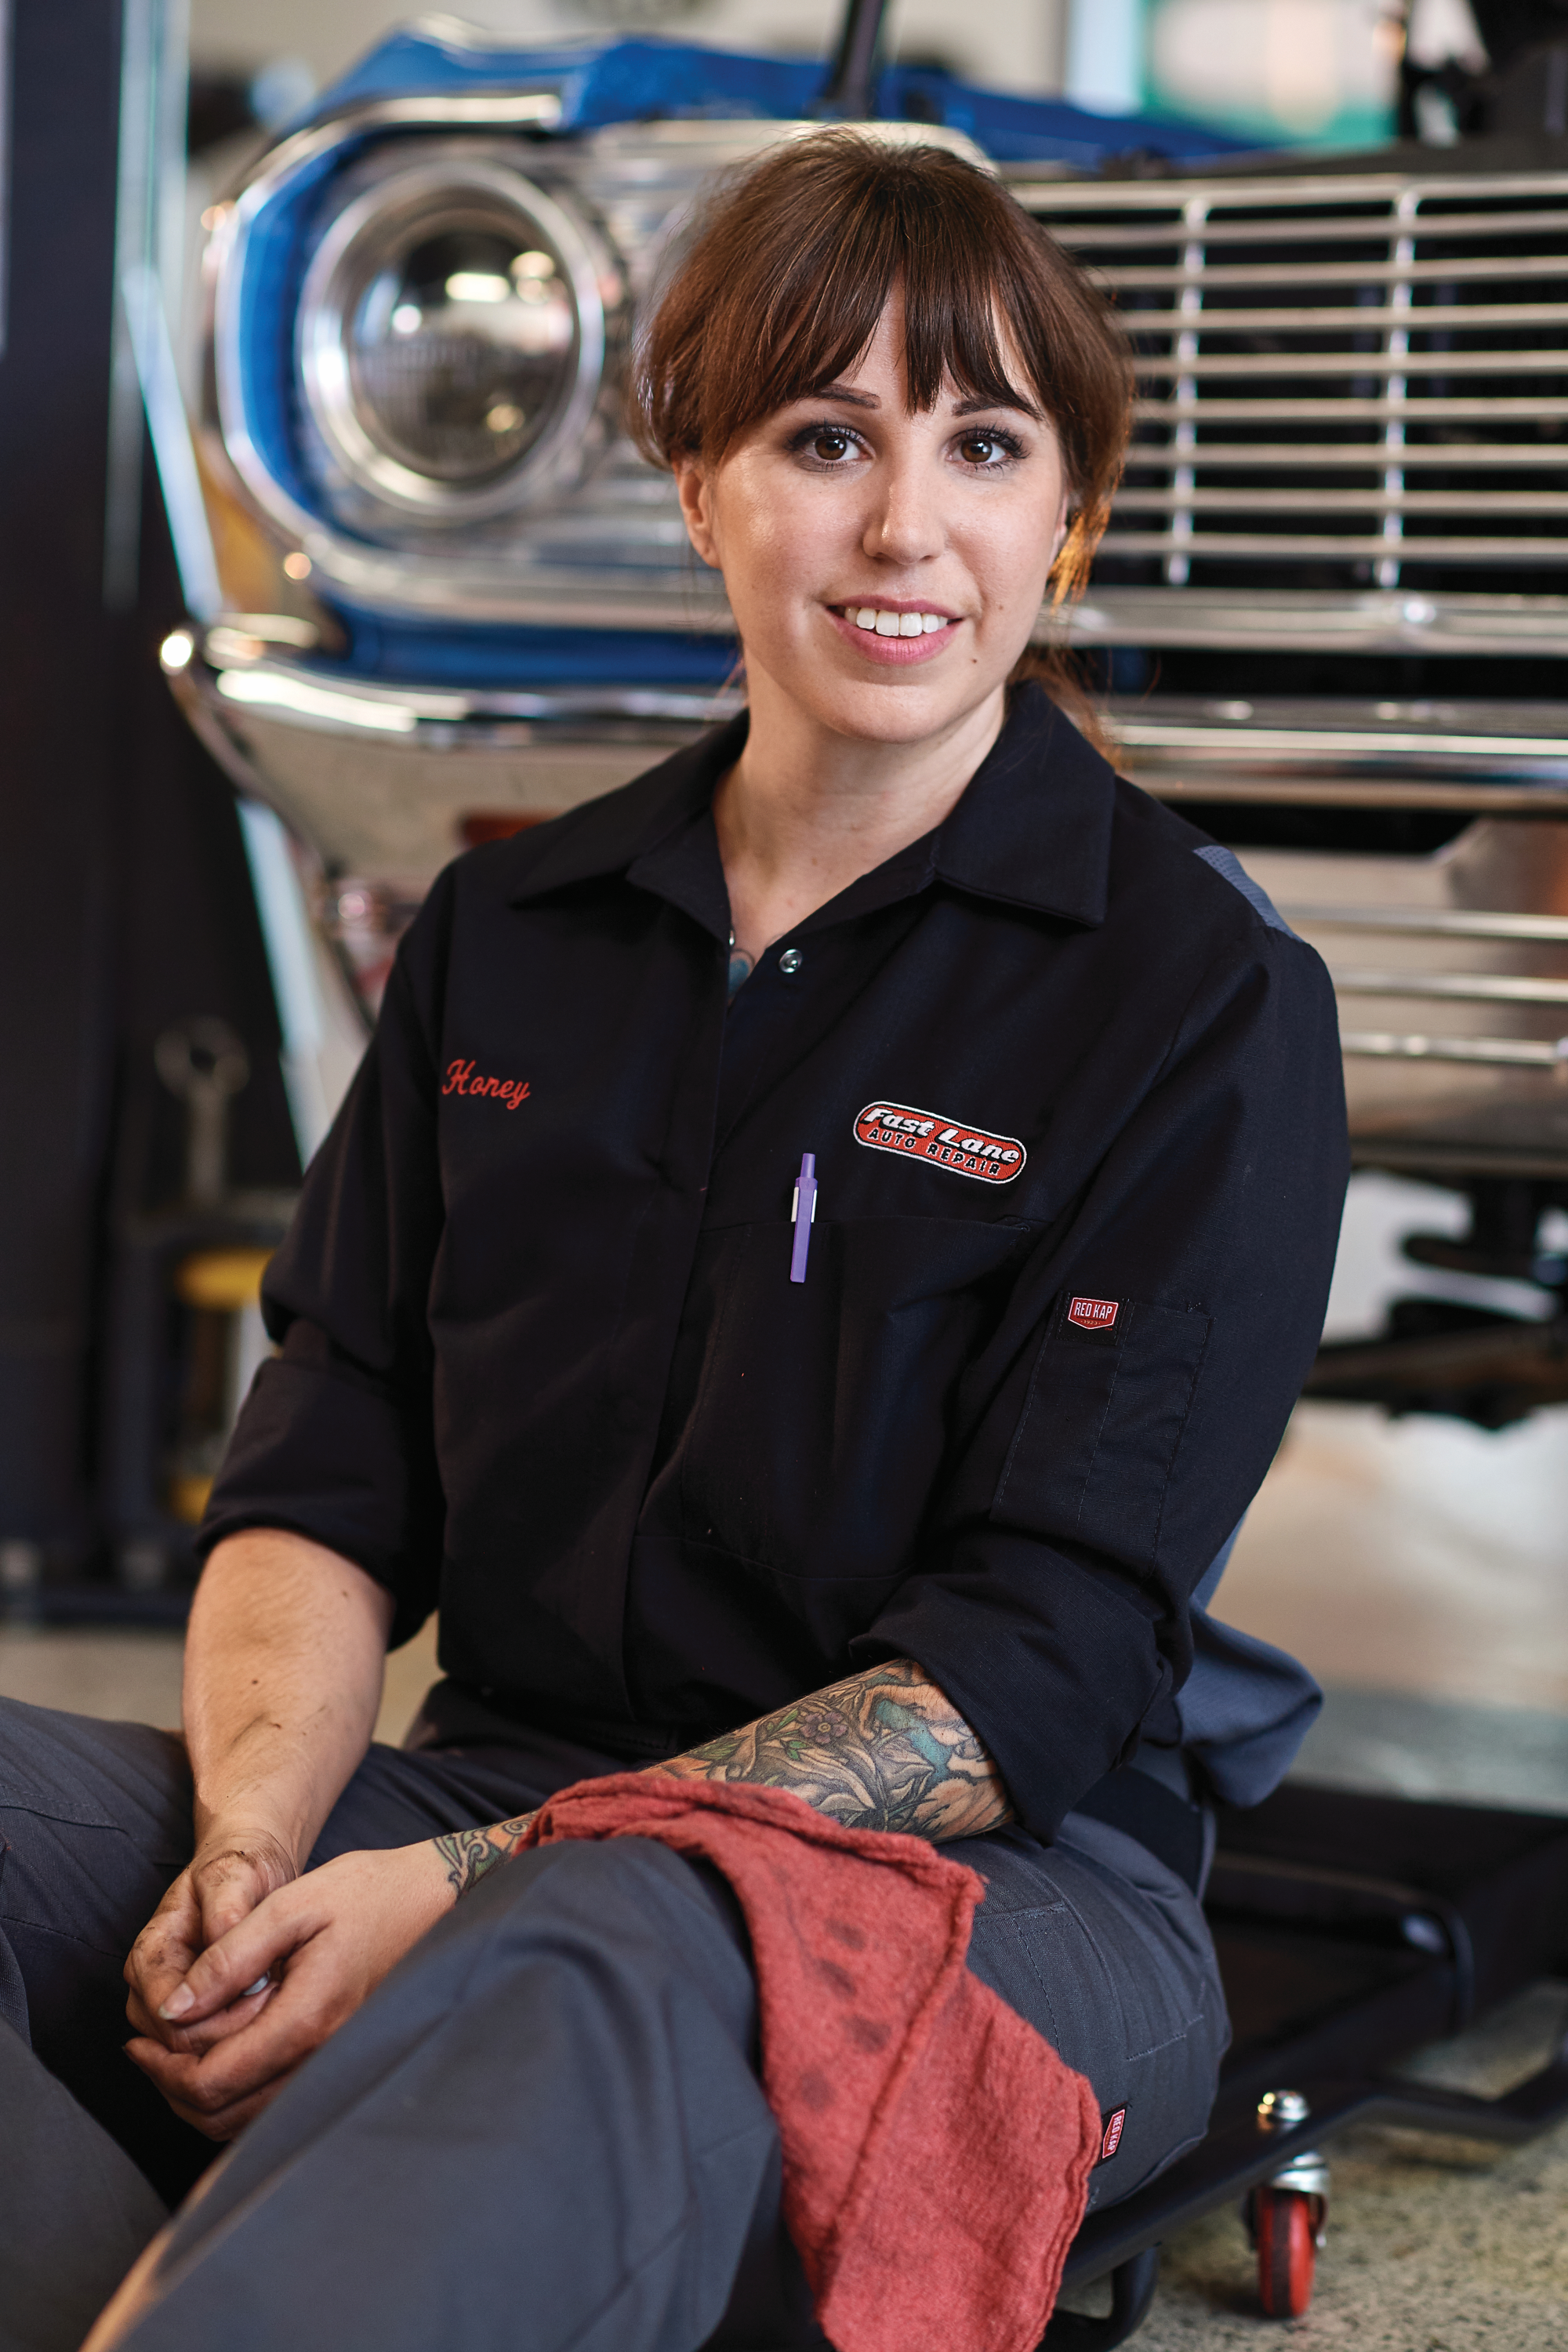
(802,1214)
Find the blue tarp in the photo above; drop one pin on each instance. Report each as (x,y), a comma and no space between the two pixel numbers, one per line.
(639,80)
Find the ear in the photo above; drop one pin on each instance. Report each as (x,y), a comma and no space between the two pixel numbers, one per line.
(694,488)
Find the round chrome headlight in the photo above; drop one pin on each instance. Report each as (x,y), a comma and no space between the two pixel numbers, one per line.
(451,338)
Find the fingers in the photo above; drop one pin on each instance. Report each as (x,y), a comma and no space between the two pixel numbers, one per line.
(224,1886)
(216,2075)
(229,1881)
(161,1954)
(206,2104)
(252,2006)
(191,2040)
(155,1966)
(242,1962)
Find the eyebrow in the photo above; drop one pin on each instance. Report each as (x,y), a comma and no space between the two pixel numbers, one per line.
(973,406)
(842,391)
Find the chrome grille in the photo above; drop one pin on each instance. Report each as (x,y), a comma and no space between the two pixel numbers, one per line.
(1346,383)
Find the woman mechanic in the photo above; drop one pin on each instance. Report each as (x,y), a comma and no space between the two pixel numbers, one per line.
(894,1494)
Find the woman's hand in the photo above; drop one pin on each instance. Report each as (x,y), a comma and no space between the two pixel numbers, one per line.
(234,1869)
(250,2010)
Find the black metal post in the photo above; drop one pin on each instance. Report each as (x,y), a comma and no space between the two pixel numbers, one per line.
(850,94)
(61,673)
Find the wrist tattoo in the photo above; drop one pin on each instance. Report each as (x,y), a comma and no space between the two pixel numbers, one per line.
(886,1750)
(469,1853)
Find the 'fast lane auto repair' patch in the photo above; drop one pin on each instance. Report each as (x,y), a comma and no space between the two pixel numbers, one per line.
(923,1135)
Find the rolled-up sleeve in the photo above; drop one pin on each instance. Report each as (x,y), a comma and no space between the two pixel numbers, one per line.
(335,1439)
(1158,1339)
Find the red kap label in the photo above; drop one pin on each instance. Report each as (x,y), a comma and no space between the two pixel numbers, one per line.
(966,1150)
(1110,2134)
(1094,1314)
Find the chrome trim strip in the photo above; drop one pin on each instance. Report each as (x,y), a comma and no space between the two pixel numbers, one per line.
(1358,411)
(1333,497)
(1510,1053)
(1332,273)
(1310,189)
(668,599)
(1431,922)
(693,604)
(1550,554)
(1510,772)
(1445,745)
(1313,621)
(1415,1155)
(1505,760)
(1463,987)
(1259,366)
(309,696)
(1264,786)
(486,110)
(1345,456)
(1368,230)
(1238,321)
(1228,194)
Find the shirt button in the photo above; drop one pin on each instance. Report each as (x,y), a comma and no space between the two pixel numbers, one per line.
(789,963)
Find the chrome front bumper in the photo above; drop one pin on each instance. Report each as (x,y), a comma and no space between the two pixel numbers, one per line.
(1451,968)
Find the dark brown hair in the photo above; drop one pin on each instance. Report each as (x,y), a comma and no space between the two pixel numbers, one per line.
(791,269)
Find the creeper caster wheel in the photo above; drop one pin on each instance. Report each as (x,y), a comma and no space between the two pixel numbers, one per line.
(1286,2213)
(1286,2251)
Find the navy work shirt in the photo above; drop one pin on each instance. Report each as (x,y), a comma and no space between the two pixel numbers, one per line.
(1075,1098)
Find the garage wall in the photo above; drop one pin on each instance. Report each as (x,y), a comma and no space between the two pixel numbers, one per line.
(1007,44)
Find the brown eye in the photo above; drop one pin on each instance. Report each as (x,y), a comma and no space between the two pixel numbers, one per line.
(830,446)
(979,448)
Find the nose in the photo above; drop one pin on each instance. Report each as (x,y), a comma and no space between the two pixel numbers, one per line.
(905,523)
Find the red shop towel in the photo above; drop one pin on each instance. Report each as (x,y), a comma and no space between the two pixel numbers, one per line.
(936,2150)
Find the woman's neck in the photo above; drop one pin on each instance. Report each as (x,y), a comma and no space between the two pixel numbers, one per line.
(804,811)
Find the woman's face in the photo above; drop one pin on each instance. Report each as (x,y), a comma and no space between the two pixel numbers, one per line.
(884,570)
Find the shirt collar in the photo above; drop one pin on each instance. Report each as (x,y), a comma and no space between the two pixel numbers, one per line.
(654,831)
(1032,829)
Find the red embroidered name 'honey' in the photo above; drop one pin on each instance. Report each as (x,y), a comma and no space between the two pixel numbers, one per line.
(967,1151)
(1093,1314)
(460,1080)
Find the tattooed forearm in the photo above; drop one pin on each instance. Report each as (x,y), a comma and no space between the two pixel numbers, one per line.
(468,1854)
(885,1751)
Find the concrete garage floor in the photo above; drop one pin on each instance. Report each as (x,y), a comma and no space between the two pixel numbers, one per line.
(1421,1569)
(1434,2245)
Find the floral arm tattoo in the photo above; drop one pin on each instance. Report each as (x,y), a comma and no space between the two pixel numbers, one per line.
(885,1750)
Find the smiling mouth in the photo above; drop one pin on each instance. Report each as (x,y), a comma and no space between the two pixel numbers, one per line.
(885,620)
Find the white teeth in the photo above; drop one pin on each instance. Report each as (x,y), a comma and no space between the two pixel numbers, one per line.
(898,625)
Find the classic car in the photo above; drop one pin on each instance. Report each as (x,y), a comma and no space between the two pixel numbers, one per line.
(1327,619)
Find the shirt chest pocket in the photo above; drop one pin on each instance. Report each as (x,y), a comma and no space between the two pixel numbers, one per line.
(821,1422)
(1093,1452)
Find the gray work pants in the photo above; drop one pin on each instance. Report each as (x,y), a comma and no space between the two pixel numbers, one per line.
(544,2131)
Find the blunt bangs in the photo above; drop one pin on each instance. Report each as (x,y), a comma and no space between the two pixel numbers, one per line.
(793,266)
